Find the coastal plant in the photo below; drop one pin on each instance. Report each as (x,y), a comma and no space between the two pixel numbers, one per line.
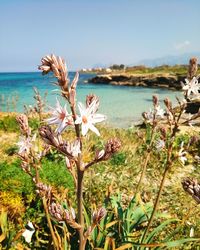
(75,224)
(167,134)
(39,106)
(31,153)
(9,102)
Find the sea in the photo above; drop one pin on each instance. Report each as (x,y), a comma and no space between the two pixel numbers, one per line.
(122,105)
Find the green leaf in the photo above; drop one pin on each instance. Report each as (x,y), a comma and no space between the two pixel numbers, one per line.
(159,228)
(86,216)
(178,243)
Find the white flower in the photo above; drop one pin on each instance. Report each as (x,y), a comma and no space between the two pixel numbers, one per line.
(182,154)
(160,112)
(28,233)
(60,117)
(150,116)
(191,87)
(24,145)
(160,144)
(74,148)
(88,118)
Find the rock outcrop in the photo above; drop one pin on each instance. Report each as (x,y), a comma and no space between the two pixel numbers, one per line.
(170,81)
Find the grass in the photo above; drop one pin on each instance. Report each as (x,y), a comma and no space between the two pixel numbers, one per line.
(119,174)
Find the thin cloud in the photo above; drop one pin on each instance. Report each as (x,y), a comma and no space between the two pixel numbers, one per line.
(181,46)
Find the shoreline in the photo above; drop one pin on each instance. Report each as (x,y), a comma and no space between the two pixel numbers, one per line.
(153,80)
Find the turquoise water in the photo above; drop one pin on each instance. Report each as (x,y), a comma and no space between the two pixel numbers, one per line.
(122,105)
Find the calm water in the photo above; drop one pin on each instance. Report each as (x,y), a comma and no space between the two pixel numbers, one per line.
(122,105)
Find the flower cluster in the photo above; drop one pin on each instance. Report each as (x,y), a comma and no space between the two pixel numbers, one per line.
(156,113)
(61,118)
(191,88)
(61,214)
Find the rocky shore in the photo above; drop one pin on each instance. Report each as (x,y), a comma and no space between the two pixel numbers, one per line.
(157,80)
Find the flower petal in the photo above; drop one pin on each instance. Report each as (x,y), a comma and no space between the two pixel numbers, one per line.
(84,129)
(81,108)
(98,118)
(94,129)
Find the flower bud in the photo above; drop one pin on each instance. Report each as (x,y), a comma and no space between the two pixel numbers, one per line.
(56,211)
(23,123)
(112,146)
(193,67)
(57,65)
(92,99)
(192,187)
(48,136)
(168,103)
(99,154)
(98,215)
(44,190)
(163,132)
(155,100)
(45,69)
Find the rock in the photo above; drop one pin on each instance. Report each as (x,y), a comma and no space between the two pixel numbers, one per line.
(145,80)
(193,107)
(100,79)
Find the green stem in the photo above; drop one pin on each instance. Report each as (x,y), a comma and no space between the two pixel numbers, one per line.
(146,161)
(156,204)
(143,172)
(50,224)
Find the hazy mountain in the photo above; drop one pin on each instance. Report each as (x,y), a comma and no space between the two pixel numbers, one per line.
(169,60)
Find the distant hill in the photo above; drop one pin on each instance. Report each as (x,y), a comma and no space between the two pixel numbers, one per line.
(169,60)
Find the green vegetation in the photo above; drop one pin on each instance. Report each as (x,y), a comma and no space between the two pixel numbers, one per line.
(125,189)
(116,179)
(141,69)
(177,69)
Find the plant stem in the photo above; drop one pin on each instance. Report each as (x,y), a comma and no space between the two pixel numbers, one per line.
(143,172)
(167,167)
(156,204)
(146,161)
(80,175)
(80,209)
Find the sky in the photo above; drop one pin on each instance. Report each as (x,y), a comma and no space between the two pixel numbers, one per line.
(95,32)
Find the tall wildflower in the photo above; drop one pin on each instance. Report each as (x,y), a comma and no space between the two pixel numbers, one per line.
(82,123)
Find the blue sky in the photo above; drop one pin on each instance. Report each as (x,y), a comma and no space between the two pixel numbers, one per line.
(90,32)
